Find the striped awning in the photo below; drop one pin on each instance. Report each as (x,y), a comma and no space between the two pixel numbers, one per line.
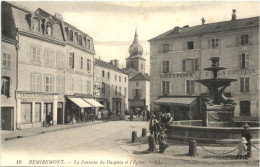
(93,102)
(80,102)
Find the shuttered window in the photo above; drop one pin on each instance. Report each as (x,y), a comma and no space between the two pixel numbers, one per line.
(165,87)
(36,80)
(244,84)
(244,60)
(166,66)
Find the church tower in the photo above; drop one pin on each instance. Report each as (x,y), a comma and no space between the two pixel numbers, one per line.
(135,60)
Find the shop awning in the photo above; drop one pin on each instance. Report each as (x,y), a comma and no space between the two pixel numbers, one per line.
(93,102)
(80,102)
(175,100)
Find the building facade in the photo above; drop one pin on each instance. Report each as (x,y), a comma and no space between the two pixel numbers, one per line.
(179,56)
(50,65)
(111,86)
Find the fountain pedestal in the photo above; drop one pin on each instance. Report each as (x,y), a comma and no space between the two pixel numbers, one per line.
(218,115)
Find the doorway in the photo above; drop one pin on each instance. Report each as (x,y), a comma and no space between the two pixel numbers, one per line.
(7,118)
(60,113)
(245,108)
(47,109)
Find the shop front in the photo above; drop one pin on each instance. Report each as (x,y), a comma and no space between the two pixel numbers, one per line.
(33,108)
(182,108)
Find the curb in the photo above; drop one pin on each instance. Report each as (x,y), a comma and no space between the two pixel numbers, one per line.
(48,131)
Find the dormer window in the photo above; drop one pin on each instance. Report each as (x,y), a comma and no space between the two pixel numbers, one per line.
(71,35)
(88,43)
(36,24)
(85,42)
(80,40)
(77,37)
(49,29)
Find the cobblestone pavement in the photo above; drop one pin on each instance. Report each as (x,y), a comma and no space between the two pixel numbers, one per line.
(109,144)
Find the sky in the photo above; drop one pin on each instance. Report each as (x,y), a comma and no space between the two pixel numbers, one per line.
(112,24)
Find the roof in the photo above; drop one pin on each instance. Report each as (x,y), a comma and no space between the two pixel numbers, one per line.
(107,65)
(140,77)
(251,22)
(130,70)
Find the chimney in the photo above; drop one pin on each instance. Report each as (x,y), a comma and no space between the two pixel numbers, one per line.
(234,16)
(203,21)
(115,63)
(58,16)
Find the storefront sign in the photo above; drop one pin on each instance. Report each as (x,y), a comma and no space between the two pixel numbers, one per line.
(33,96)
(208,73)
(78,72)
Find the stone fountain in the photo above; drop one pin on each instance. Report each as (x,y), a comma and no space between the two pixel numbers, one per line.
(217,109)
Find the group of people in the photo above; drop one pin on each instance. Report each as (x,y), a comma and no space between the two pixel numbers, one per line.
(105,114)
(158,127)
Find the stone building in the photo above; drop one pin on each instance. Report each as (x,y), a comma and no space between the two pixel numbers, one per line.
(49,66)
(139,82)
(179,56)
(111,86)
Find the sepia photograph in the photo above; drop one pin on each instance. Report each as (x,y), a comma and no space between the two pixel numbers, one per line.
(130,83)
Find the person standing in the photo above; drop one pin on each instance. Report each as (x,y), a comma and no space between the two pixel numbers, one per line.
(153,127)
(131,115)
(49,120)
(144,114)
(148,115)
(247,135)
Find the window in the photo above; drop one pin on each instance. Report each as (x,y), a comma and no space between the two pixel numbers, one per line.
(88,65)
(71,35)
(120,91)
(190,45)
(77,37)
(81,62)
(244,84)
(215,43)
(190,86)
(60,84)
(60,59)
(5,89)
(49,57)
(88,43)
(119,78)
(26,113)
(71,60)
(85,42)
(244,39)
(166,66)
(36,55)
(165,48)
(80,40)
(80,85)
(6,60)
(36,82)
(103,88)
(125,92)
(88,86)
(137,93)
(115,77)
(36,24)
(244,60)
(37,112)
(48,83)
(71,83)
(137,84)
(103,73)
(190,64)
(108,74)
(49,29)
(115,90)
(165,87)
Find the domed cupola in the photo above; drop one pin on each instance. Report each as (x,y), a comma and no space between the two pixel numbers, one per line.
(135,48)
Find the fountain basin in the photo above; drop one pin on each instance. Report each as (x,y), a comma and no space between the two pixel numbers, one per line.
(193,130)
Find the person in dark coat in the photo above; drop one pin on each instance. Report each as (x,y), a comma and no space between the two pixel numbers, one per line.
(148,115)
(247,135)
(153,127)
(49,120)
(163,141)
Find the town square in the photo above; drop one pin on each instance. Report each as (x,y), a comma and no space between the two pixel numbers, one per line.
(130,83)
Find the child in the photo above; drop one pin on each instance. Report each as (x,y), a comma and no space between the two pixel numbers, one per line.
(242,149)
(163,141)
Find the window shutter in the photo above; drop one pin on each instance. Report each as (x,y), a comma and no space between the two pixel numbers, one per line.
(38,56)
(247,84)
(241,60)
(238,40)
(192,65)
(241,84)
(246,60)
(183,65)
(185,45)
(11,93)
